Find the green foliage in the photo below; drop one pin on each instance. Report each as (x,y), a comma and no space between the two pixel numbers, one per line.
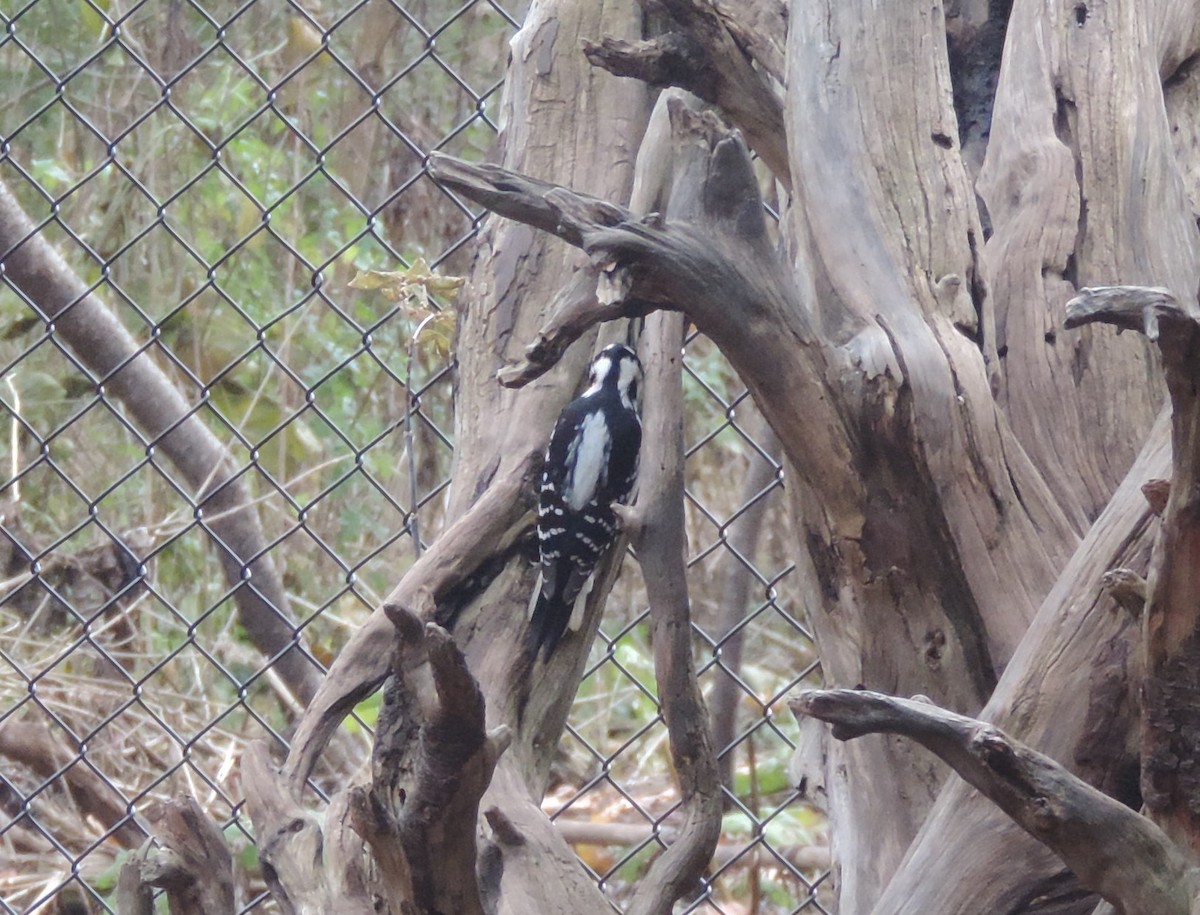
(222,191)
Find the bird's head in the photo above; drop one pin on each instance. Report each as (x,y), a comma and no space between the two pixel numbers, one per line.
(617,366)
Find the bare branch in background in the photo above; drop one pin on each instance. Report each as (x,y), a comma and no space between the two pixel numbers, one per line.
(173,427)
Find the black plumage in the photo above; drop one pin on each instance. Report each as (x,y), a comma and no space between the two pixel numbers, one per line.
(591,462)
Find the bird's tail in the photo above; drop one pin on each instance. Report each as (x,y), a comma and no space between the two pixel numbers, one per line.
(547,625)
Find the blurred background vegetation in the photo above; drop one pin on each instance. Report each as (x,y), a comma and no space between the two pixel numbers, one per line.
(230,177)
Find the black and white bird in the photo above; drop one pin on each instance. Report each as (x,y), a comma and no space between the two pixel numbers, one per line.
(591,462)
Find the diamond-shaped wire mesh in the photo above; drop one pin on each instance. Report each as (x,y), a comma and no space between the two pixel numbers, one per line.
(218,172)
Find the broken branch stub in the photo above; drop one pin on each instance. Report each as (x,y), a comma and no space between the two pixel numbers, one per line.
(1170,691)
(189,860)
(432,762)
(1140,308)
(704,57)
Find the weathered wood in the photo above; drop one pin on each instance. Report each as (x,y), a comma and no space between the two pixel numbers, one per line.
(1114,851)
(706,59)
(188,858)
(433,761)
(134,895)
(1041,701)
(846,497)
(1079,194)
(193,863)
(661,546)
(1170,692)
(288,837)
(928,537)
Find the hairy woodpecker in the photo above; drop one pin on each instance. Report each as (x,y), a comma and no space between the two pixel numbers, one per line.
(592,462)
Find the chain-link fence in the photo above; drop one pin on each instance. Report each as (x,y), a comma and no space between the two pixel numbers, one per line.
(218,174)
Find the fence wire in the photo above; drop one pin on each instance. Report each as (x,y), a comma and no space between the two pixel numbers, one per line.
(219,173)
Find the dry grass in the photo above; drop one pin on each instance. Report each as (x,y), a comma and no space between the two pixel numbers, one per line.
(241,274)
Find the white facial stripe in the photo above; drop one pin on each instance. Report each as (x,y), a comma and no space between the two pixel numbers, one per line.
(600,369)
(630,372)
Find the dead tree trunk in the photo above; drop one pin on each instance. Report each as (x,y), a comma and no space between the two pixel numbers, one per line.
(933,513)
(947,449)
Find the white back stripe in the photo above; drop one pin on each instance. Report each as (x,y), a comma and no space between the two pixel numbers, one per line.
(588,456)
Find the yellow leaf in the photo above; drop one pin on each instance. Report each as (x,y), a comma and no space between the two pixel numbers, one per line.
(303,37)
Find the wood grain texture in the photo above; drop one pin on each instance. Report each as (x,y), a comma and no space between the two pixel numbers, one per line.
(1083,187)
(1119,854)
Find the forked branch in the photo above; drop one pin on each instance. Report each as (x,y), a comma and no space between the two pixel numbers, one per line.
(705,58)
(433,761)
(711,258)
(1114,851)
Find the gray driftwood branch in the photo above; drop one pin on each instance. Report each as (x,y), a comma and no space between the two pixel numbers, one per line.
(656,528)
(189,860)
(433,760)
(1114,851)
(658,536)
(715,260)
(704,57)
(1170,688)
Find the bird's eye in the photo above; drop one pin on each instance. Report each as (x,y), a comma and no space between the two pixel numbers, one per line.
(633,389)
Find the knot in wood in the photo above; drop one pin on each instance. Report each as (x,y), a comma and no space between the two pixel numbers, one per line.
(935,646)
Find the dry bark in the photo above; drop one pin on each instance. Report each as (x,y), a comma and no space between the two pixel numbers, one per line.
(1042,701)
(433,760)
(1081,195)
(658,536)
(827,406)
(705,57)
(171,426)
(190,861)
(1170,690)
(1122,856)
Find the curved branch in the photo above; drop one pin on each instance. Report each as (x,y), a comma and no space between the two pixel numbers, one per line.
(660,543)
(171,425)
(1170,689)
(1114,851)
(706,60)
(462,559)
(711,258)
(1127,308)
